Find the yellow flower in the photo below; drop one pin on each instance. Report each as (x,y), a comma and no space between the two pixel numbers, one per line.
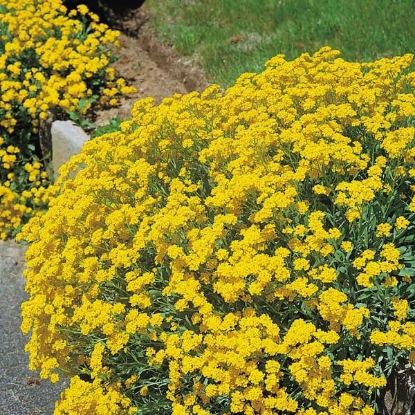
(401,223)
(195,246)
(400,307)
(144,390)
(383,229)
(82,9)
(347,246)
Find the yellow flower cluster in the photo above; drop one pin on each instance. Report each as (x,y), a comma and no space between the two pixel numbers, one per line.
(90,398)
(236,252)
(17,206)
(51,61)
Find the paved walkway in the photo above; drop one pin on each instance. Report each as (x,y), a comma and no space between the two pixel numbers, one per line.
(21,390)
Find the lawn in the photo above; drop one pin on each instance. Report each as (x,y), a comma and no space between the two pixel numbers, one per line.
(230,37)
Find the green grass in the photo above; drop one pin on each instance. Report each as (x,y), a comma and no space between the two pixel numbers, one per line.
(229,37)
(112,126)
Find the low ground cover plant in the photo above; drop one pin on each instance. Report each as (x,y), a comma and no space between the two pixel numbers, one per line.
(247,251)
(54,62)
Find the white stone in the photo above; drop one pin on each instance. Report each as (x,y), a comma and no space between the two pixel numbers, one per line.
(67,140)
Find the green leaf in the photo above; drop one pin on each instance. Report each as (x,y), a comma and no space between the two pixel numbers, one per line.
(73,116)
(86,124)
(406,271)
(83,103)
(390,353)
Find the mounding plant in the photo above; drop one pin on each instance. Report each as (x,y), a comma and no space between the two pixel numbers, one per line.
(54,62)
(239,252)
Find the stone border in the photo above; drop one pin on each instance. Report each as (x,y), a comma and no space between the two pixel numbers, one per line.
(67,140)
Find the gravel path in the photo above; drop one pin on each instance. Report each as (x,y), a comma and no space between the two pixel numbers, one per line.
(21,390)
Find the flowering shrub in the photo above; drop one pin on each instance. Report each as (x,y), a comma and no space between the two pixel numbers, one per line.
(51,61)
(239,252)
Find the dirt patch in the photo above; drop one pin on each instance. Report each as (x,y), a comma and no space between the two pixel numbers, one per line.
(155,69)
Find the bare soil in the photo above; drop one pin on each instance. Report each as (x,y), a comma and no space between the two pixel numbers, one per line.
(155,69)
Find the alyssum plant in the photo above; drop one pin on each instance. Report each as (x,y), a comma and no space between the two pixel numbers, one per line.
(245,252)
(52,61)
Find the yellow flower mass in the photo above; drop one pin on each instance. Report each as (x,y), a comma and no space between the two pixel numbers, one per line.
(239,251)
(50,63)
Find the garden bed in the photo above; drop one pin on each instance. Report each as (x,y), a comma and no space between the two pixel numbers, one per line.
(153,68)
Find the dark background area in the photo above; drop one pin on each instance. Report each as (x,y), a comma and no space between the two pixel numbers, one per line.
(106,9)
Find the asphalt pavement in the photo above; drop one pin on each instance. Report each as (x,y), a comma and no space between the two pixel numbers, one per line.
(22,392)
